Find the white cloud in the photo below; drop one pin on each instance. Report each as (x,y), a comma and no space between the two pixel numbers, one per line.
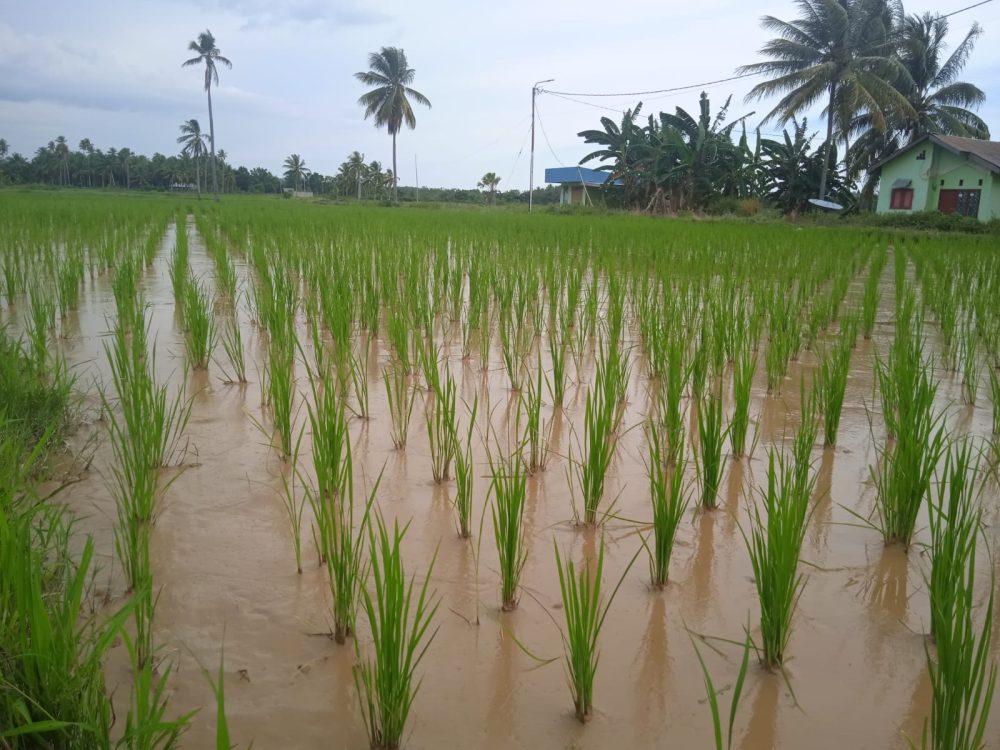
(111,72)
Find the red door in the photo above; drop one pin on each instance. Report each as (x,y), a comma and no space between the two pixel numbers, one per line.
(948,201)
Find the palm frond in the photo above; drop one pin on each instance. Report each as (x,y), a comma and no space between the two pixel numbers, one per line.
(959,121)
(418,97)
(958,95)
(369,78)
(957,60)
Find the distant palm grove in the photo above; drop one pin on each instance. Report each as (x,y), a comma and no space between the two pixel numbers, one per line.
(58,164)
(883,78)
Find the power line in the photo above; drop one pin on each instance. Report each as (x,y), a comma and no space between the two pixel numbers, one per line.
(520,151)
(616,110)
(660,91)
(546,135)
(580,101)
(962,10)
(479,150)
(706,83)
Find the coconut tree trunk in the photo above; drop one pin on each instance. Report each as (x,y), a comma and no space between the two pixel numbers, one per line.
(197,176)
(826,146)
(211,142)
(847,154)
(395,172)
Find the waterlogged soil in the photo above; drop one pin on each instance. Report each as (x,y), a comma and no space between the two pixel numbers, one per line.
(223,561)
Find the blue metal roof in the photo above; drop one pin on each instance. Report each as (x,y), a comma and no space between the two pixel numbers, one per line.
(590,177)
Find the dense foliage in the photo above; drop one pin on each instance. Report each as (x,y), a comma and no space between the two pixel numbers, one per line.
(679,162)
(884,77)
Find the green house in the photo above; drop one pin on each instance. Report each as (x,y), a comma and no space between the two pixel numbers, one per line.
(942,173)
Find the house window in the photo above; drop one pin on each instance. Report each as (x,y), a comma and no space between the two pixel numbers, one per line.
(961,182)
(962,202)
(968,203)
(902,198)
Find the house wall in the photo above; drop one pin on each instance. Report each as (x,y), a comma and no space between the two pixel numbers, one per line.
(906,167)
(953,172)
(572,193)
(940,170)
(990,209)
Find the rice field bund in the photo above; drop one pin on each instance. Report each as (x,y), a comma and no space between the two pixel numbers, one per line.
(310,476)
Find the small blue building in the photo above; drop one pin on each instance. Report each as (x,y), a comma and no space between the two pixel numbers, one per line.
(576,182)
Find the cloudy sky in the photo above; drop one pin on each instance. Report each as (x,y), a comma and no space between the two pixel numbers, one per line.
(110,71)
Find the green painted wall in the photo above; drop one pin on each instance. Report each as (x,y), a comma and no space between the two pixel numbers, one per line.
(905,167)
(941,170)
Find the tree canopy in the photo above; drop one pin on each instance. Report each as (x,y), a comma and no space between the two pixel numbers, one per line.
(884,79)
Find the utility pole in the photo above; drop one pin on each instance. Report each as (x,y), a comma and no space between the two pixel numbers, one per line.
(531,177)
(416,171)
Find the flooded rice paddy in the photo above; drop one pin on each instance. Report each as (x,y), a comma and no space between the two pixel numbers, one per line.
(222,558)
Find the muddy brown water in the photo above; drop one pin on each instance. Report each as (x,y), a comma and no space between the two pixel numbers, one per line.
(223,562)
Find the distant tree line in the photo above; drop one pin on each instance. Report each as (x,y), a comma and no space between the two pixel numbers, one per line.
(58,164)
(90,167)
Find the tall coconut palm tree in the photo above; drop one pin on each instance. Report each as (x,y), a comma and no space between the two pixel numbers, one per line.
(489,182)
(296,170)
(87,149)
(110,162)
(209,55)
(61,151)
(388,102)
(192,142)
(225,168)
(940,103)
(181,169)
(837,50)
(44,161)
(125,156)
(378,182)
(355,169)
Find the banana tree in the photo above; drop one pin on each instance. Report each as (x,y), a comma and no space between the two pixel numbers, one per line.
(707,146)
(792,172)
(625,146)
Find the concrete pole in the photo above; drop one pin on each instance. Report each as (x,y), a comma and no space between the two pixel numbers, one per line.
(531,168)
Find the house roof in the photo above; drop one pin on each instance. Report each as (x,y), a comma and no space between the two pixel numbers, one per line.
(984,154)
(576,175)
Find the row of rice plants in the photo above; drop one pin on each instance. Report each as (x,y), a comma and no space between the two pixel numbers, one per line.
(145,425)
(908,390)
(962,673)
(418,327)
(53,649)
(54,645)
